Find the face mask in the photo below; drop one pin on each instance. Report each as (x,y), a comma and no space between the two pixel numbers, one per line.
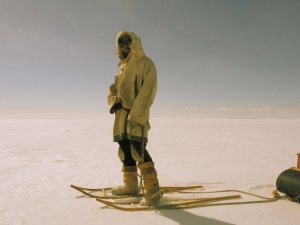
(124,41)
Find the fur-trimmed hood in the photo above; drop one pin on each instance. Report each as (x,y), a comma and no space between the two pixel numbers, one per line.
(135,46)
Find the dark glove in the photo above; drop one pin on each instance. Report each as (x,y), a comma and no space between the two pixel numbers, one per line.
(116,107)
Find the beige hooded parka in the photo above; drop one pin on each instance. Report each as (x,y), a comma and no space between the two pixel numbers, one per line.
(135,88)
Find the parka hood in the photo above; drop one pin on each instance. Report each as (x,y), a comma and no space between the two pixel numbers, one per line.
(135,46)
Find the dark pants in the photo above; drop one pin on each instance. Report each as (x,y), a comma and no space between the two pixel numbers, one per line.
(126,149)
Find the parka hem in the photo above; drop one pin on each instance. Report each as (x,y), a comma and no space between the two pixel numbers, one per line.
(130,137)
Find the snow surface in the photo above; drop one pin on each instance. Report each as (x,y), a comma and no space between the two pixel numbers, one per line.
(40,158)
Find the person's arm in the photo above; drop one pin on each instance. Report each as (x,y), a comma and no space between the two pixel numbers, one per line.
(145,97)
(113,101)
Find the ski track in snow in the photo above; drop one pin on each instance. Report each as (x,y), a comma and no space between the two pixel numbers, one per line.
(40,158)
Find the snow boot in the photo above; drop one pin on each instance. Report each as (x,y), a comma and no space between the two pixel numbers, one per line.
(152,193)
(130,180)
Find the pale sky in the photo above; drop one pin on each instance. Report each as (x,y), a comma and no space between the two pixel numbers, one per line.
(213,57)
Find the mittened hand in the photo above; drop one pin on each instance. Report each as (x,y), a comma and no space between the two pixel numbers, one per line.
(115,108)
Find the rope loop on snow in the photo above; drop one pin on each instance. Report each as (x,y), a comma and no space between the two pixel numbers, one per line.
(276,195)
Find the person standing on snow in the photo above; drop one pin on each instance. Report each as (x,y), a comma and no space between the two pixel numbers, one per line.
(130,98)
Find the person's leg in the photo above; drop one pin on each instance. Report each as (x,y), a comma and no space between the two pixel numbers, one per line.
(148,172)
(136,152)
(151,184)
(129,170)
(125,153)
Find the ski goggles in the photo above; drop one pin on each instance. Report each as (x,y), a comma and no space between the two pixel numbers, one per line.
(124,41)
